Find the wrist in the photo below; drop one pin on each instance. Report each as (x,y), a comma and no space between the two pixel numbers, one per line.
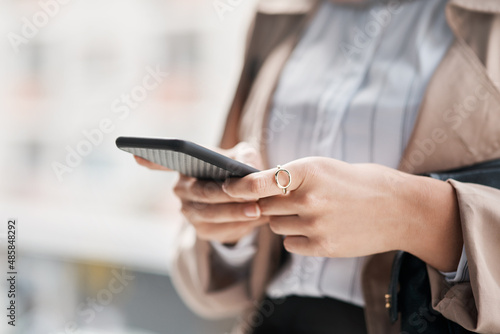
(433,232)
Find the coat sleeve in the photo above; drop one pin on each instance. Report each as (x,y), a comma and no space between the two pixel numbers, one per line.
(209,288)
(475,305)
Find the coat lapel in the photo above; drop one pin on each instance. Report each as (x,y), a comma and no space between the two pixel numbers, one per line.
(459,118)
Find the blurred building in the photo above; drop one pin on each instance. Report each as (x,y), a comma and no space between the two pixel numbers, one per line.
(66,69)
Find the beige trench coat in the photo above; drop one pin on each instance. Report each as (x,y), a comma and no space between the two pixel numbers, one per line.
(458,125)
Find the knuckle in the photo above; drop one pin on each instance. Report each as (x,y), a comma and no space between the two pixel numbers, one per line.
(309,200)
(198,191)
(311,223)
(210,189)
(301,200)
(304,200)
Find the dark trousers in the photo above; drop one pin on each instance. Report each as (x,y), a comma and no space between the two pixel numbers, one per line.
(307,315)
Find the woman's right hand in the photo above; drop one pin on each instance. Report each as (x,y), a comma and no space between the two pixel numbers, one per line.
(214,214)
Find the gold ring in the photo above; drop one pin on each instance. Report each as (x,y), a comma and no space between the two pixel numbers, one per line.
(278,182)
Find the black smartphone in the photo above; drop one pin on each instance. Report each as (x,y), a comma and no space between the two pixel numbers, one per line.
(185,157)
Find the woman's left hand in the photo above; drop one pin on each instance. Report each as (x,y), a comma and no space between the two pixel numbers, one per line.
(336,209)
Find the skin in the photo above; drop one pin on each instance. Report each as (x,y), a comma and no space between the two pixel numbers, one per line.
(331,209)
(213,213)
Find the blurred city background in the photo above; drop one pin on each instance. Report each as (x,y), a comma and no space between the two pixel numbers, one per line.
(72,79)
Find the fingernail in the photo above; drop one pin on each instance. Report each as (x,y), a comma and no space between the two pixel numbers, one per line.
(252,211)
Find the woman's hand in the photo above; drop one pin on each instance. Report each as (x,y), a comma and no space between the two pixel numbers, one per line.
(337,209)
(214,214)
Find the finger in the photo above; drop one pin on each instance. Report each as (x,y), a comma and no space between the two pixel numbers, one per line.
(279,205)
(287,225)
(263,184)
(191,189)
(149,164)
(298,244)
(227,232)
(220,213)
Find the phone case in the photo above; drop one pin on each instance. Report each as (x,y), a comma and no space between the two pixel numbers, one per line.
(185,157)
